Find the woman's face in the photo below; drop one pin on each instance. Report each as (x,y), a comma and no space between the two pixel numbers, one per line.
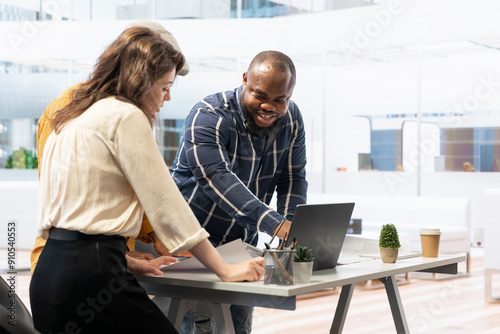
(159,94)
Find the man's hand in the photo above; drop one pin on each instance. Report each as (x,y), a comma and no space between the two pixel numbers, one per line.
(143,263)
(284,228)
(159,246)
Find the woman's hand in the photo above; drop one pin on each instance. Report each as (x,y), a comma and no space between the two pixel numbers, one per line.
(143,264)
(250,270)
(141,255)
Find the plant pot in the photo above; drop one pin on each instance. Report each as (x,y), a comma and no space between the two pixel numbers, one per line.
(302,272)
(389,255)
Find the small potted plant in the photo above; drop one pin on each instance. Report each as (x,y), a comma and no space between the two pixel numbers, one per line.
(303,264)
(389,243)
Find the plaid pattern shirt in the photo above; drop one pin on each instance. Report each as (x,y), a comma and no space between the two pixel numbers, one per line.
(222,173)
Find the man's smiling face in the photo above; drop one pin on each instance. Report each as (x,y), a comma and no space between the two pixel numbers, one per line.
(265,96)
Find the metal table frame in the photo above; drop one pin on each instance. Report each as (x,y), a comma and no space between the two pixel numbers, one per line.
(176,292)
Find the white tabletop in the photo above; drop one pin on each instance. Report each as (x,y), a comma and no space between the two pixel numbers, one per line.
(339,276)
(200,285)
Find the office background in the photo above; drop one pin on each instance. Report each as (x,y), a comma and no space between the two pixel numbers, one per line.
(396,95)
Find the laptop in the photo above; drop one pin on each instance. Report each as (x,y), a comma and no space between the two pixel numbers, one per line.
(321,227)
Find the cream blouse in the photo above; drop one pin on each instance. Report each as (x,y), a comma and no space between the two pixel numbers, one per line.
(102,169)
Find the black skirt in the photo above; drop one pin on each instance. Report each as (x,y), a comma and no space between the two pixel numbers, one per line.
(81,285)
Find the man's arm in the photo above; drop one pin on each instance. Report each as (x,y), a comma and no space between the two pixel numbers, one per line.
(292,186)
(206,137)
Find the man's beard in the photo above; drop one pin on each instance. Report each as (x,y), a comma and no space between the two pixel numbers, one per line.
(260,131)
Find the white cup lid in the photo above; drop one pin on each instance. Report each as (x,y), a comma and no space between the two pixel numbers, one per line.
(433,231)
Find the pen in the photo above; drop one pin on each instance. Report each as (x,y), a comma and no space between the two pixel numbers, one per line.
(283,241)
(276,232)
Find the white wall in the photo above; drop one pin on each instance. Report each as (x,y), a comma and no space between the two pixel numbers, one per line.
(18,205)
(439,184)
(492,229)
(332,86)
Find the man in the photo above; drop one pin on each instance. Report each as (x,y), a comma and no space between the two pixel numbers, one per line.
(238,148)
(139,263)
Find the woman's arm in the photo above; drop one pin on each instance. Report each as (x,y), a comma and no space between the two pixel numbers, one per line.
(250,270)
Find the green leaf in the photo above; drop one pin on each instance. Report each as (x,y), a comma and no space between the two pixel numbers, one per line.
(389,237)
(303,254)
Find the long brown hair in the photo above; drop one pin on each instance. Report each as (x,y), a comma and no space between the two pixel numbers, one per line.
(127,69)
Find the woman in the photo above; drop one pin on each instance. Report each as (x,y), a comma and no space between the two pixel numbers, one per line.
(102,167)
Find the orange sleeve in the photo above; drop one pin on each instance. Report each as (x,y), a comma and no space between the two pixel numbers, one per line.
(146,228)
(143,234)
(36,251)
(130,244)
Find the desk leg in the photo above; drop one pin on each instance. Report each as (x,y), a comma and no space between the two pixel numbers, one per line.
(177,309)
(398,314)
(222,317)
(163,303)
(342,307)
(488,286)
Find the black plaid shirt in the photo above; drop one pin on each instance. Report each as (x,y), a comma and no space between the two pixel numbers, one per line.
(222,173)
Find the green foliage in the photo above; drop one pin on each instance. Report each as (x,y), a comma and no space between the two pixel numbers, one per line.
(303,254)
(389,237)
(22,159)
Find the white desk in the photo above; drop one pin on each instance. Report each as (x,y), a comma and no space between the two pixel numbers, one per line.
(186,287)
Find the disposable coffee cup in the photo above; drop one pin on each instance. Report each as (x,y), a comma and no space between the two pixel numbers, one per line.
(429,238)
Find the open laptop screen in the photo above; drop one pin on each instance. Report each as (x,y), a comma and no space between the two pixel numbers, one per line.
(321,227)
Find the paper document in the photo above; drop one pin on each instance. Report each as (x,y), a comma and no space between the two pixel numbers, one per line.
(348,258)
(401,256)
(232,252)
(358,248)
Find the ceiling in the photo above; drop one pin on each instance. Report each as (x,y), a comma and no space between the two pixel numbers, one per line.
(432,29)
